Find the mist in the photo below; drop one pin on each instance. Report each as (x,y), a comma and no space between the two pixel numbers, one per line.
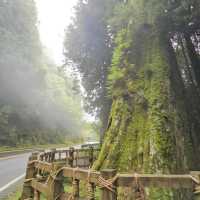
(24,88)
(29,99)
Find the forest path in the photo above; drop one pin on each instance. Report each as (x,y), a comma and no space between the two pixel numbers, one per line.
(12,170)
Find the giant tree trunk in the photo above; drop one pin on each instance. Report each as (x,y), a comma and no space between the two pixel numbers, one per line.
(148,125)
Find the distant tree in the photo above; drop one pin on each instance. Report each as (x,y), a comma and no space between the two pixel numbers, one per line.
(37,104)
(88,48)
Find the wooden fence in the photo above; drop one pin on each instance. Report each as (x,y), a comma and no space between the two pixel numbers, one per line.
(47,174)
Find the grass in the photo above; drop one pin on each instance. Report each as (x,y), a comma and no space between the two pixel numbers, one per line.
(15,195)
(43,146)
(82,189)
(83,192)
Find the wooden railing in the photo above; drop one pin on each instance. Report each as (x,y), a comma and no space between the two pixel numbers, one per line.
(51,173)
(72,157)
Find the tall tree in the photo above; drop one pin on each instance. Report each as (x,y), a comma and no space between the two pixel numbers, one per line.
(149,127)
(88,49)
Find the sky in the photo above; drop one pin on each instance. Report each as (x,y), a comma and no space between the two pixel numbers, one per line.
(53,17)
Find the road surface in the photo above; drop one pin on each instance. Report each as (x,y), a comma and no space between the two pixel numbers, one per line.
(12,171)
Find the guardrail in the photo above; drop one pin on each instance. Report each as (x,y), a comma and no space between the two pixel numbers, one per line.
(41,166)
(83,157)
(47,175)
(15,152)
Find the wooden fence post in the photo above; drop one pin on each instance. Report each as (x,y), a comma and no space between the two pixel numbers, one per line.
(56,187)
(76,153)
(31,172)
(46,157)
(36,195)
(71,157)
(91,191)
(107,194)
(49,157)
(196,174)
(41,158)
(67,157)
(59,156)
(91,156)
(53,155)
(75,188)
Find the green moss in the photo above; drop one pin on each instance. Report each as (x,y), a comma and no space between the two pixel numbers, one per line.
(144,123)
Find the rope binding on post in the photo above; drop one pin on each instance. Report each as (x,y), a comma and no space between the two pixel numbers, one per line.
(107,183)
(89,189)
(139,189)
(71,196)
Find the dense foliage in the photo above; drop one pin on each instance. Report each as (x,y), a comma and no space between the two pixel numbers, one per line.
(90,53)
(37,104)
(152,79)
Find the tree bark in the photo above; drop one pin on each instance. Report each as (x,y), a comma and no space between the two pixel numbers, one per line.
(193,58)
(149,128)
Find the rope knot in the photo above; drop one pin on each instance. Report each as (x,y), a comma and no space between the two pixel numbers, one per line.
(139,189)
(107,183)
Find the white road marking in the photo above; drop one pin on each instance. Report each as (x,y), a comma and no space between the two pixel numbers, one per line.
(11,182)
(11,157)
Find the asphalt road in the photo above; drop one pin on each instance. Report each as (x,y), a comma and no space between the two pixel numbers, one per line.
(12,171)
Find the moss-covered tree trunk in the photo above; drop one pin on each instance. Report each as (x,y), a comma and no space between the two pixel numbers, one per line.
(148,126)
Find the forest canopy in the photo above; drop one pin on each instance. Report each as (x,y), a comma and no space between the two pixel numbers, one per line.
(37,103)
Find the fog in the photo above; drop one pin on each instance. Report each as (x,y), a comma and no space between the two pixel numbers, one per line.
(23,88)
(29,99)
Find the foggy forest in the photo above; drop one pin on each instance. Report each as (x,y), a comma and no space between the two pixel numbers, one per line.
(129,80)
